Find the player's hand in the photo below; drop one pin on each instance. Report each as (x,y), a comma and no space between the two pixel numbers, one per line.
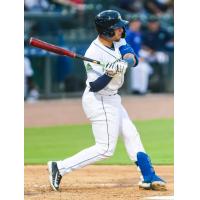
(111,69)
(121,66)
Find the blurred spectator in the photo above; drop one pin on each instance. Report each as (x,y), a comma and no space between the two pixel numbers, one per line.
(76,7)
(30,92)
(159,7)
(77,4)
(155,43)
(132,5)
(36,5)
(40,26)
(55,6)
(140,74)
(133,34)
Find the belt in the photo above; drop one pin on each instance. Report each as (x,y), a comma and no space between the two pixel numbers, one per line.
(105,94)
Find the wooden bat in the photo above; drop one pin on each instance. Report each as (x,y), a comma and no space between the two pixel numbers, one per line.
(61,51)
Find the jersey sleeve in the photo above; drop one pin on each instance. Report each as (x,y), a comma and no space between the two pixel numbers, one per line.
(93,70)
(122,42)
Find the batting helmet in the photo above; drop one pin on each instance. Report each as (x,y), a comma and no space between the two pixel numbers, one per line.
(109,20)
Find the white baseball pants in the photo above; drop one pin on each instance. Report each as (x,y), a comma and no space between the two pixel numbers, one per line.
(109,120)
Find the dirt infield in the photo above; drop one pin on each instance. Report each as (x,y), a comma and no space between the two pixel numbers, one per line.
(95,182)
(69,111)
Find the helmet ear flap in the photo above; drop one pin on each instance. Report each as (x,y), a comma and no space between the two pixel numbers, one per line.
(108,33)
(111,32)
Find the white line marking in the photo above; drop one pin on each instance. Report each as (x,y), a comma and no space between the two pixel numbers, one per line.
(161,198)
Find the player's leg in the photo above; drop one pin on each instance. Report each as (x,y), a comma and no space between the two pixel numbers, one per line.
(104,148)
(138,155)
(85,157)
(105,126)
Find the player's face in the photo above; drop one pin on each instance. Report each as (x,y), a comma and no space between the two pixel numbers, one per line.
(118,34)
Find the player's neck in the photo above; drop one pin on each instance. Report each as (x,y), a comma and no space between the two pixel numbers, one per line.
(106,42)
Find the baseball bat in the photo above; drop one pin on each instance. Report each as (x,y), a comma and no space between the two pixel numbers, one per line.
(61,51)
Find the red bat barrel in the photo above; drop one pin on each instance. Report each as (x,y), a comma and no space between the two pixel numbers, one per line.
(52,48)
(58,50)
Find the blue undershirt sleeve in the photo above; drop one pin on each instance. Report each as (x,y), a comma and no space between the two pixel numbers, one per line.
(100,83)
(128,49)
(131,62)
(124,49)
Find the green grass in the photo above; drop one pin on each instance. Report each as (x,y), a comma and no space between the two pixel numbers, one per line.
(54,143)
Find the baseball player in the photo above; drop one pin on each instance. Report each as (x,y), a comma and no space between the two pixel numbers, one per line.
(102,105)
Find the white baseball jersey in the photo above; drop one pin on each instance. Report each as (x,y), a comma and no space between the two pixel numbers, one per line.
(98,51)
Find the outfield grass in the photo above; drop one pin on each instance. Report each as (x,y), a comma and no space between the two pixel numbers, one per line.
(54,143)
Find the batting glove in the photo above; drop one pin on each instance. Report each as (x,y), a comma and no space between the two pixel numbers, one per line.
(121,66)
(110,69)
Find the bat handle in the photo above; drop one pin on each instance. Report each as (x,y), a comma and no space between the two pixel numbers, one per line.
(89,60)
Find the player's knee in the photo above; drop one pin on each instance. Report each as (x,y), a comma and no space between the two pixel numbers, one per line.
(109,152)
(106,150)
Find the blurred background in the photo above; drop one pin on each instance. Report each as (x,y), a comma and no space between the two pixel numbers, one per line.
(70,24)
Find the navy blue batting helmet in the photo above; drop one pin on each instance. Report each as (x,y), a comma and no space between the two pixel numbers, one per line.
(109,20)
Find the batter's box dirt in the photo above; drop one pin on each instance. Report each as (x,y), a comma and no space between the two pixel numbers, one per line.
(95,182)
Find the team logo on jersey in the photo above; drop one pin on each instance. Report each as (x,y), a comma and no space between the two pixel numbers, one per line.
(88,67)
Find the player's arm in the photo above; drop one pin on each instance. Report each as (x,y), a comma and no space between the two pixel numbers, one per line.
(128,55)
(102,81)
